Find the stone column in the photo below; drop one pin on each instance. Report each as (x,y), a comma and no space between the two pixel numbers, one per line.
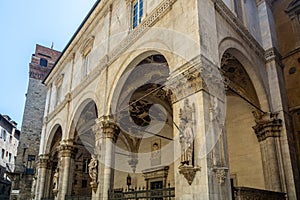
(41,179)
(268,129)
(67,152)
(198,109)
(107,133)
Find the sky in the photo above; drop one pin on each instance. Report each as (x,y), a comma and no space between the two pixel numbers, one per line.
(23,25)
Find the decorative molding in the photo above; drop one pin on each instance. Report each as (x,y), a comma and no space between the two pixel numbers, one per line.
(87,46)
(267,125)
(189,172)
(235,23)
(221,174)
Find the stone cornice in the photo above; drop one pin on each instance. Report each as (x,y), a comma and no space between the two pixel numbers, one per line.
(235,23)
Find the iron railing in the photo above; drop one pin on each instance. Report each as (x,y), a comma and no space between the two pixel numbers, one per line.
(244,193)
(143,194)
(88,197)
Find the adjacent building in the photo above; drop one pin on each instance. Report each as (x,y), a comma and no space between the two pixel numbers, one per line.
(9,141)
(24,174)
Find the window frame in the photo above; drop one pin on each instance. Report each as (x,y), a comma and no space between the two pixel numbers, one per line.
(139,10)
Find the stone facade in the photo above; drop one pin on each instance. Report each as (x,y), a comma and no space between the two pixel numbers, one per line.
(24,174)
(188,95)
(9,141)
(288,31)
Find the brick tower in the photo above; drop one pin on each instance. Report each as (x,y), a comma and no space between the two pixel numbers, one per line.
(41,63)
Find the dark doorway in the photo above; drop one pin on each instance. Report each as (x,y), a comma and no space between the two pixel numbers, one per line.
(156,192)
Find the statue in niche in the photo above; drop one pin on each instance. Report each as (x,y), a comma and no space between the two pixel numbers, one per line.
(186,139)
(93,172)
(55,181)
(186,136)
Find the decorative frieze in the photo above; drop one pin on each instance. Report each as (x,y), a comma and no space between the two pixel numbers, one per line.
(267,125)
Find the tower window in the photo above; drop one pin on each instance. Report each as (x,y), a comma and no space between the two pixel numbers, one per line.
(30,164)
(43,62)
(137,13)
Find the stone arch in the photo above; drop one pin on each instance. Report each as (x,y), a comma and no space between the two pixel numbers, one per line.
(252,64)
(128,65)
(137,101)
(78,111)
(52,136)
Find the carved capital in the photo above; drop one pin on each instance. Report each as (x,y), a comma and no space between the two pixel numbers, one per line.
(189,172)
(67,148)
(267,125)
(106,128)
(43,161)
(221,174)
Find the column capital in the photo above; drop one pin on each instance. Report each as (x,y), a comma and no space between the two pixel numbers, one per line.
(43,160)
(197,74)
(267,125)
(67,148)
(106,127)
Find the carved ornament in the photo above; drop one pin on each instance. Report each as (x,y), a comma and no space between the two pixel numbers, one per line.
(267,125)
(189,172)
(107,128)
(221,174)
(93,172)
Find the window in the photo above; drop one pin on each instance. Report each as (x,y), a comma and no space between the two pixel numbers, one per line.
(84,183)
(43,62)
(3,152)
(85,166)
(9,157)
(30,164)
(137,12)
(86,64)
(3,134)
(10,139)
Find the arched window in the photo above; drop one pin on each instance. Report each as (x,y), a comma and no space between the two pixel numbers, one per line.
(43,62)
